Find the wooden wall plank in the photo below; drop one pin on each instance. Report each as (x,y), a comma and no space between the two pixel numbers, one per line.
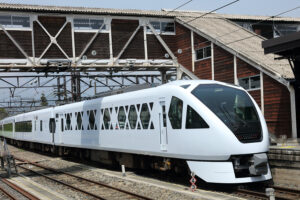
(9,50)
(277,107)
(223,62)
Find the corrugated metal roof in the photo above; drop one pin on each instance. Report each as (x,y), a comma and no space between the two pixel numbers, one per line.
(81,10)
(245,43)
(260,18)
(134,12)
(237,17)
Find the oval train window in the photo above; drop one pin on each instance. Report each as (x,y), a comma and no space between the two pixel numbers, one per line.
(175,112)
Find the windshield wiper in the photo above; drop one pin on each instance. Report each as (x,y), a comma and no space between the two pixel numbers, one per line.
(227,115)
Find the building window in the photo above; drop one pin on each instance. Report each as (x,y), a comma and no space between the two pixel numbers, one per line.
(9,21)
(162,27)
(203,53)
(285,29)
(88,24)
(175,113)
(251,82)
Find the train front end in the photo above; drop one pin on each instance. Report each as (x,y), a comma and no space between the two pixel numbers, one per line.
(241,134)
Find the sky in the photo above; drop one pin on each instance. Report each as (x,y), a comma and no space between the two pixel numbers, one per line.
(247,7)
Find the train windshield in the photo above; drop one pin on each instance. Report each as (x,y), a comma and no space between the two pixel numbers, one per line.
(234,107)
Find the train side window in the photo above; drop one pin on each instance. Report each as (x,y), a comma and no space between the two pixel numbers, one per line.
(8,127)
(175,112)
(92,114)
(145,116)
(41,125)
(62,125)
(52,125)
(106,119)
(151,105)
(194,120)
(92,120)
(132,117)
(68,121)
(78,116)
(24,126)
(121,117)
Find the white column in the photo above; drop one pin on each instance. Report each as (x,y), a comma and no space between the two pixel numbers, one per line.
(262,99)
(293,111)
(236,82)
(212,62)
(111,56)
(145,43)
(193,51)
(73,39)
(32,38)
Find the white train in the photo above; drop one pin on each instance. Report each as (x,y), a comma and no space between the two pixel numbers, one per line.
(217,129)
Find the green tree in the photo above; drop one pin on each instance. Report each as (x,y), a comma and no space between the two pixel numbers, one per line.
(3,113)
(44,101)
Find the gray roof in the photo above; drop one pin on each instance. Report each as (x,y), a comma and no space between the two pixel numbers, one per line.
(245,44)
(110,11)
(237,17)
(81,10)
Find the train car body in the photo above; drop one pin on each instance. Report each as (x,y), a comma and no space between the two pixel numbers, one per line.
(215,127)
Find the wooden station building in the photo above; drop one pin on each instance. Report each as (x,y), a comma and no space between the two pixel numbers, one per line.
(215,46)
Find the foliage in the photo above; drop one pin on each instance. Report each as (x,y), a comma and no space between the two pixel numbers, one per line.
(3,113)
(44,101)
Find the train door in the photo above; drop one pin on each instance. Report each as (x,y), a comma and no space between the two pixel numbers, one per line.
(163,126)
(61,127)
(52,127)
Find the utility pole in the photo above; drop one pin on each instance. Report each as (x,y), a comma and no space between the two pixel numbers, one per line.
(65,90)
(75,85)
(58,89)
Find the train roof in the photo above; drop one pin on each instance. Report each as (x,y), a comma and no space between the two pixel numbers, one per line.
(194,83)
(189,85)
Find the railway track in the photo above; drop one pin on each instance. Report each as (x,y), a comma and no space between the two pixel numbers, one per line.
(250,194)
(16,188)
(281,193)
(97,190)
(286,193)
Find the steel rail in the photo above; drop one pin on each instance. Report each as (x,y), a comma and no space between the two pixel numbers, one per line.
(286,193)
(252,193)
(63,183)
(282,193)
(20,190)
(79,177)
(10,196)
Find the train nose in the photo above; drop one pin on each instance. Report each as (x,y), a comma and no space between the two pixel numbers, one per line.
(259,164)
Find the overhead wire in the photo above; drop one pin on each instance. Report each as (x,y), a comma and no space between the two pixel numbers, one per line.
(180,6)
(241,28)
(228,4)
